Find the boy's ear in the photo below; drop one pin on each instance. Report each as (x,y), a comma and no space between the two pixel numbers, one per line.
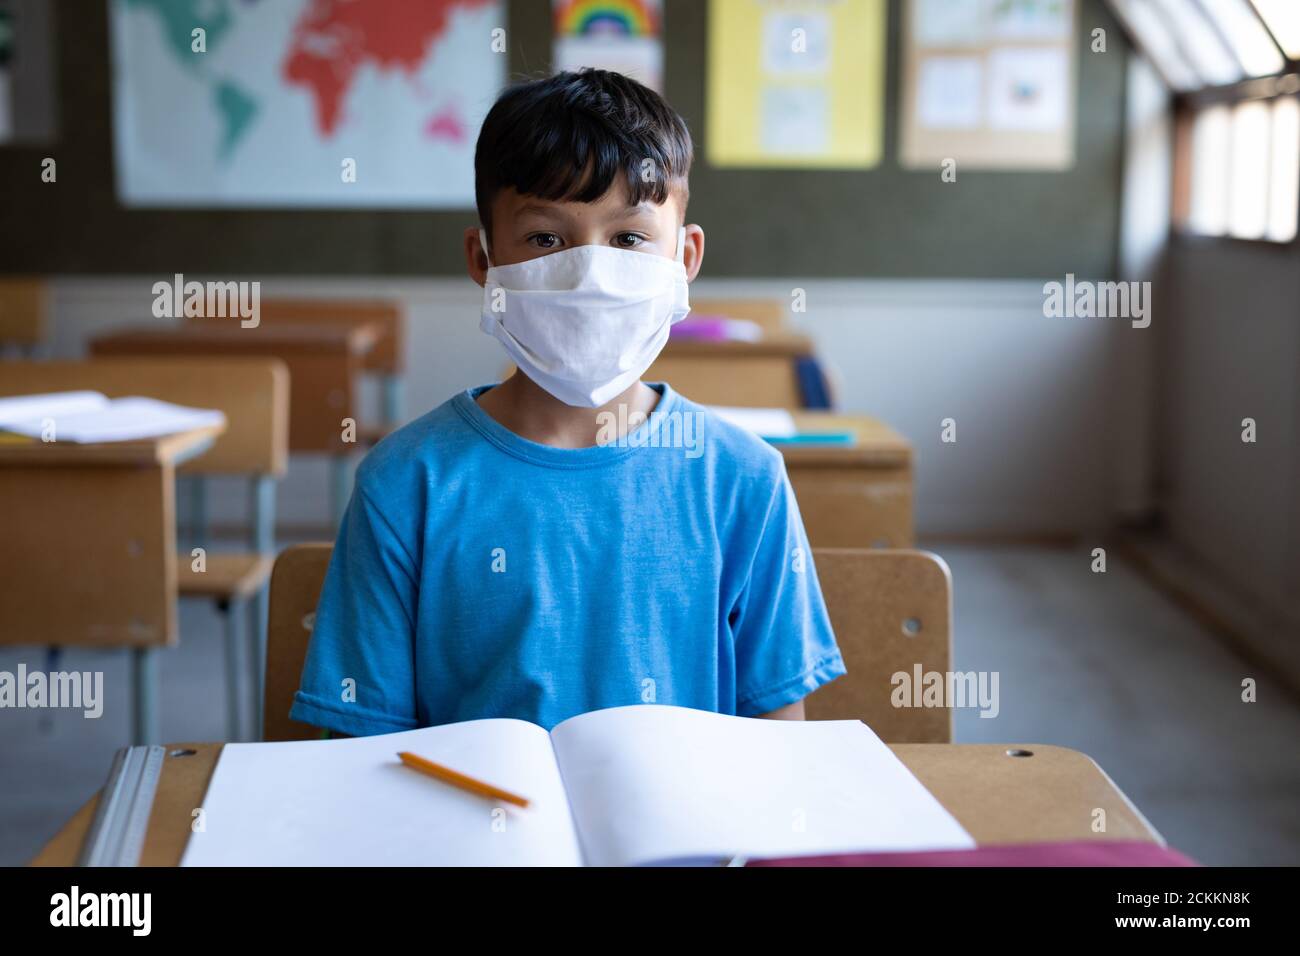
(476,262)
(693,255)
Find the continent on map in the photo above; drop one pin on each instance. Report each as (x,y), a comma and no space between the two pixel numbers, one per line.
(334,38)
(237,110)
(447,125)
(180,17)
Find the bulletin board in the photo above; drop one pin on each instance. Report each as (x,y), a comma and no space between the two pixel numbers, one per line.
(988,83)
(796,83)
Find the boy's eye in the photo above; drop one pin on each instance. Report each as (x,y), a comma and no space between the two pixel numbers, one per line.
(628,240)
(544,240)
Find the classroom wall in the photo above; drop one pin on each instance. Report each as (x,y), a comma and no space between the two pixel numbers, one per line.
(1144,235)
(1231,350)
(885,222)
(1034,398)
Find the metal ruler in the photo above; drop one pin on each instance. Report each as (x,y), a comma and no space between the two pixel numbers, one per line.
(116,835)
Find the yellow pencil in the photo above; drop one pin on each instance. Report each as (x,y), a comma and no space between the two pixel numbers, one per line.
(447,775)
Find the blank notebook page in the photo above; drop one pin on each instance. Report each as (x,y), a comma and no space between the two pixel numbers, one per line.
(650,782)
(351,802)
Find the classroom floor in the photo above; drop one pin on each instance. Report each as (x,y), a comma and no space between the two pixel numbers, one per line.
(1102,663)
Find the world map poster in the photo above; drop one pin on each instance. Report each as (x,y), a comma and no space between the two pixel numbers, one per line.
(308,103)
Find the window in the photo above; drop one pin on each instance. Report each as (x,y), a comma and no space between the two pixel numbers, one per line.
(1146,20)
(1245,170)
(1284,176)
(1250,42)
(1209,201)
(1200,43)
(1232,65)
(1283,20)
(1248,169)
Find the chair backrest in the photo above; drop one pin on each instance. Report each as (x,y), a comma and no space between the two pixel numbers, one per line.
(891,610)
(296,582)
(892,614)
(22,312)
(252,392)
(387,354)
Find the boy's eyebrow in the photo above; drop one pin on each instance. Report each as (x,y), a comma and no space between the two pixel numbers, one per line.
(639,209)
(539,209)
(642,210)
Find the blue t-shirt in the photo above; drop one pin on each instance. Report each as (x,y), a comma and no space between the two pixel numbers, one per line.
(479,574)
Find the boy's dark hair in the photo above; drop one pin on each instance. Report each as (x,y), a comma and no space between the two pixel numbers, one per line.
(567,137)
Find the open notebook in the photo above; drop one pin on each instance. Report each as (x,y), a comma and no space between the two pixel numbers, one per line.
(85,417)
(623,786)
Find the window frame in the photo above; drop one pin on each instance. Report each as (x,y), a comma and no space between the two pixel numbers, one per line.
(1185,107)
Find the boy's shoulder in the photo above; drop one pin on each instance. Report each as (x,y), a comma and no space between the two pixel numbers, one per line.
(437,436)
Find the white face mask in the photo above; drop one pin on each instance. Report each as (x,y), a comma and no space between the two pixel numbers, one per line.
(585,323)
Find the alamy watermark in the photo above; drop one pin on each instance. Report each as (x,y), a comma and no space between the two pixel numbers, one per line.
(212,300)
(74,908)
(634,429)
(1098,300)
(946,689)
(59,689)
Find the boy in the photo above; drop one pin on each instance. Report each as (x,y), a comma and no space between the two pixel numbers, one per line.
(556,544)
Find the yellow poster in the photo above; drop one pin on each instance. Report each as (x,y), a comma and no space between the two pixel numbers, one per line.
(796,83)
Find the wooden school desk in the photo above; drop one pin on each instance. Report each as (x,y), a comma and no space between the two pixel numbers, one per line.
(325,363)
(852,496)
(89,556)
(385,359)
(762,374)
(1051,795)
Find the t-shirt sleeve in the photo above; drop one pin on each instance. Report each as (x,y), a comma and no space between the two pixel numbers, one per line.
(785,648)
(359,676)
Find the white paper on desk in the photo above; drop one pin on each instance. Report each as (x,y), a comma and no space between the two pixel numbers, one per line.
(765,422)
(351,802)
(122,419)
(17,409)
(651,783)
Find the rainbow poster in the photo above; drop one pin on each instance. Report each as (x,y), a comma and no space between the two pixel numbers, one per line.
(625,36)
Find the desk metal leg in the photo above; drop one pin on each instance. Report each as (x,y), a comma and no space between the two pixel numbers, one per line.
(198,495)
(53,657)
(144,683)
(392,400)
(230,628)
(340,487)
(263,493)
(259,608)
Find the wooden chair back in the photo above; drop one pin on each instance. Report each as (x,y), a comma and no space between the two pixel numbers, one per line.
(891,610)
(892,615)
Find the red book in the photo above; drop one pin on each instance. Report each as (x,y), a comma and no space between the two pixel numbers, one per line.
(1071,853)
